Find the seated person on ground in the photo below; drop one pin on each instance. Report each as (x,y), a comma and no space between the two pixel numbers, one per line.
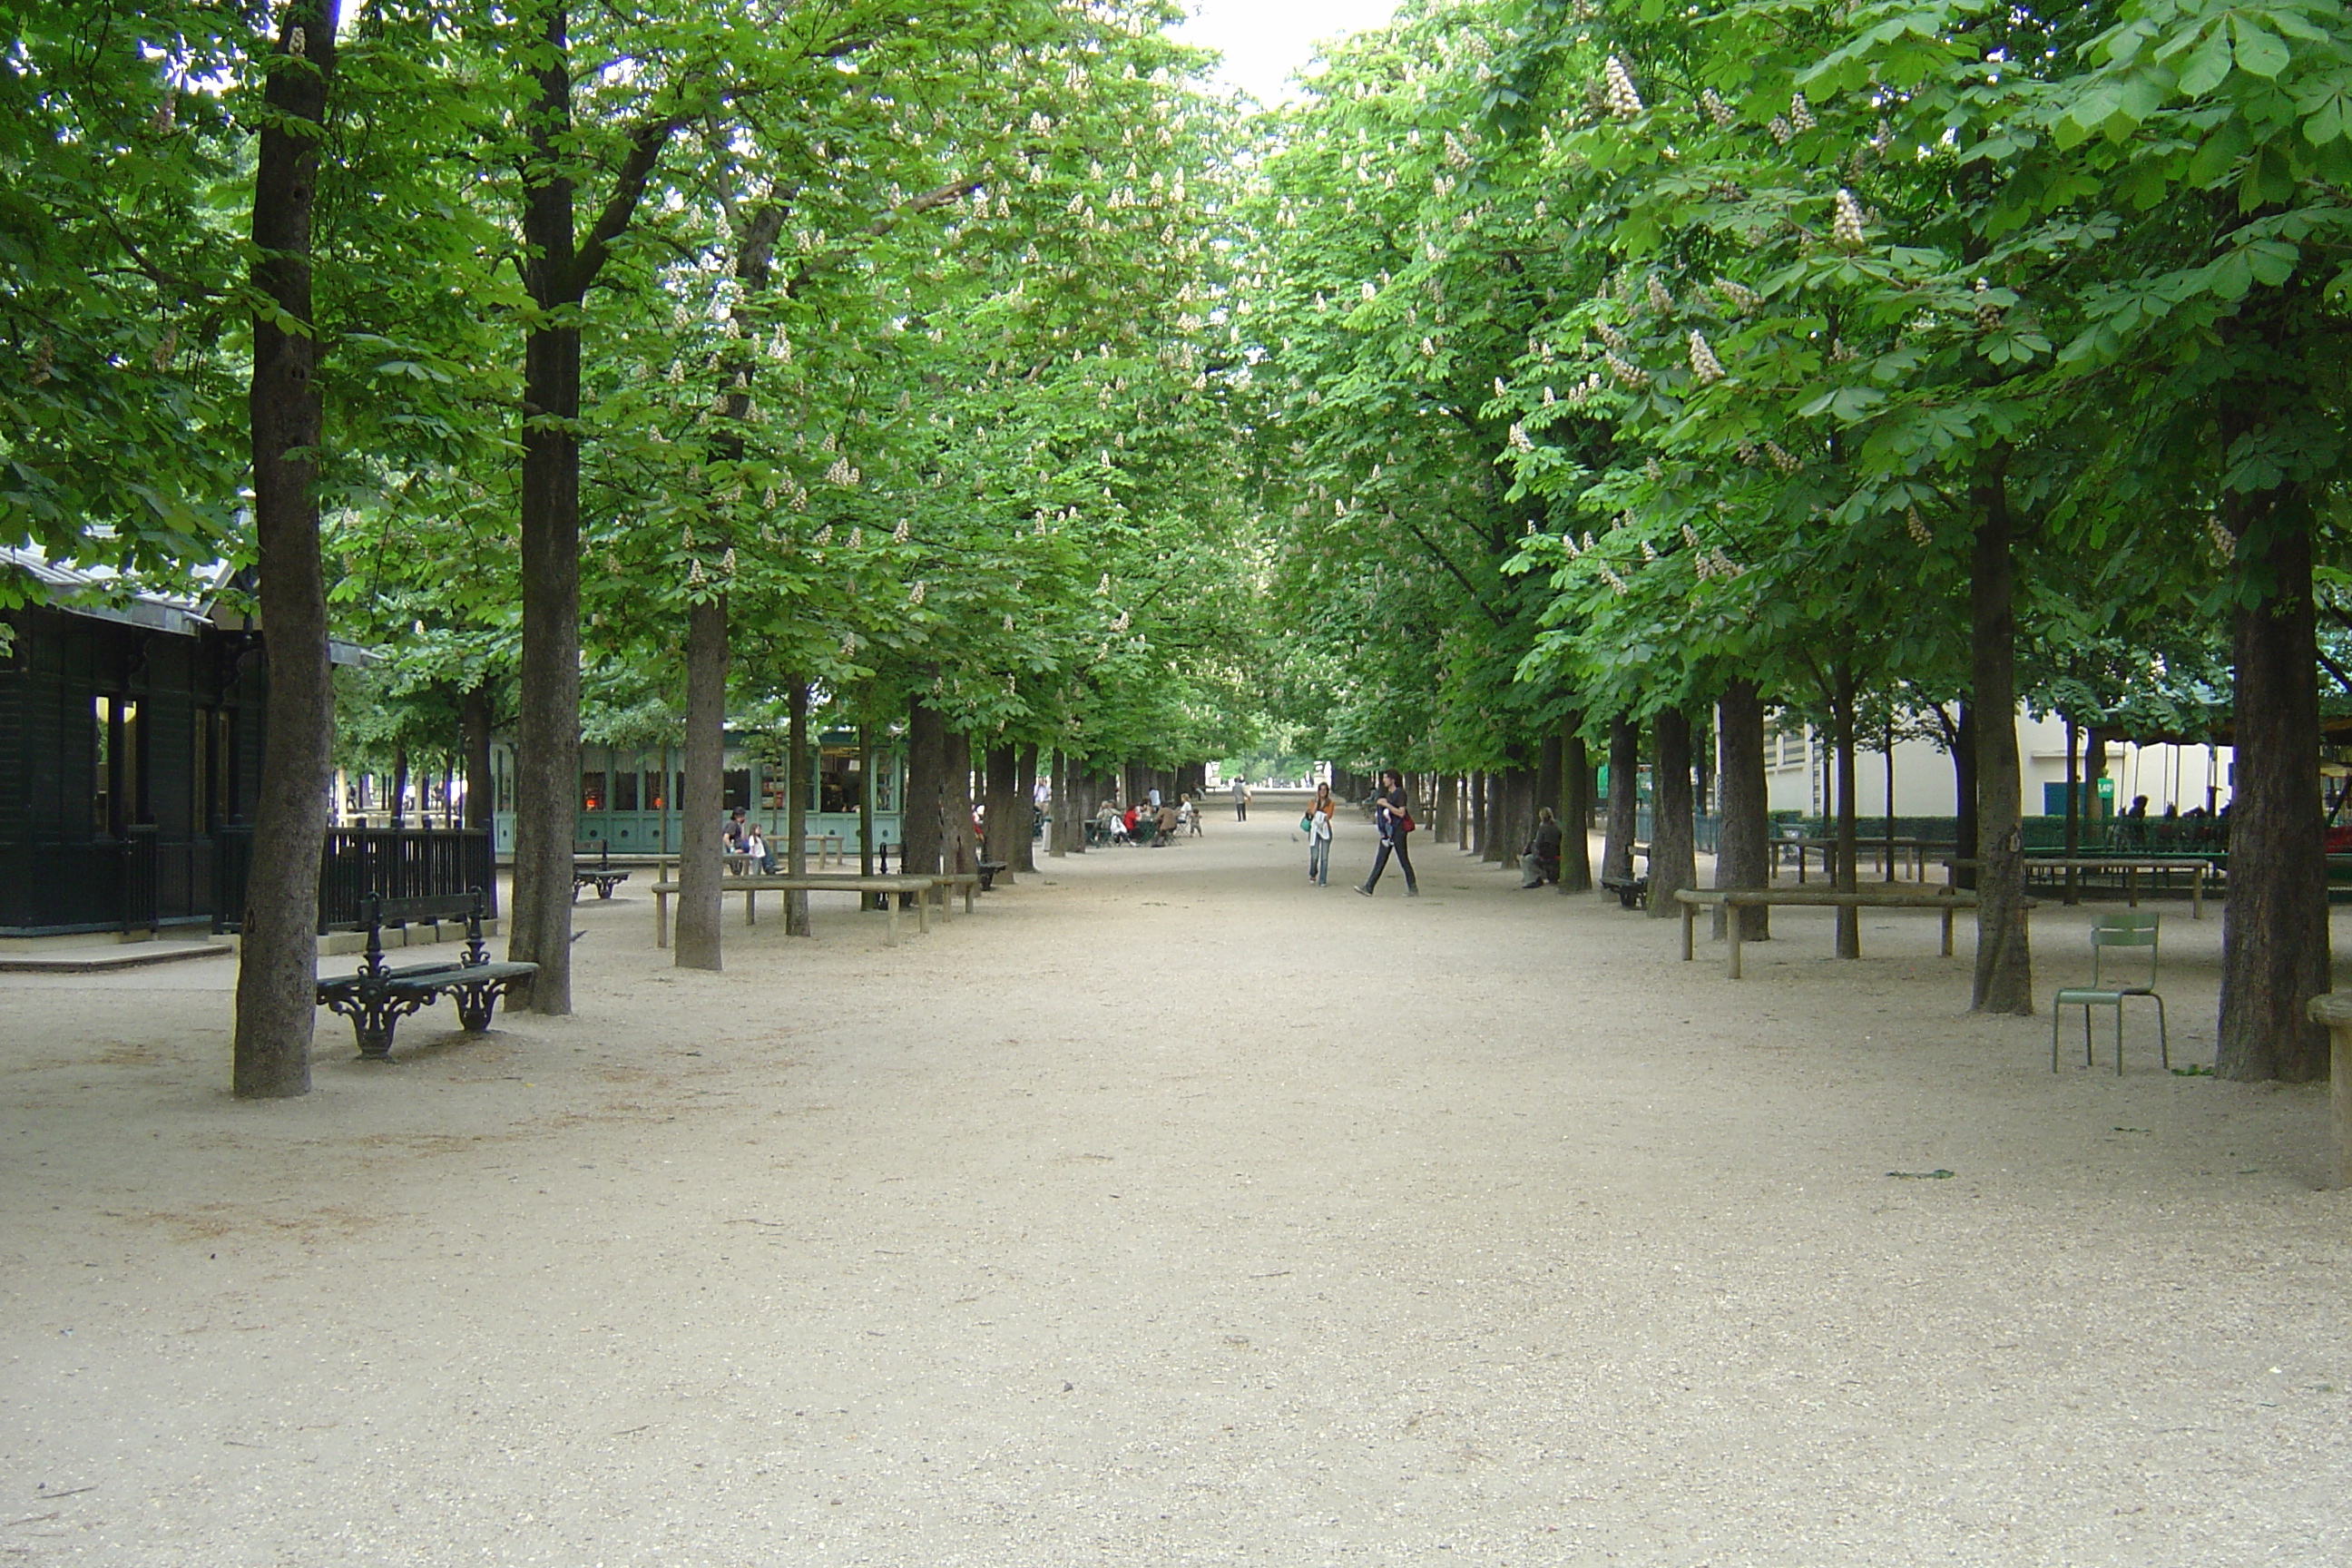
(1540,861)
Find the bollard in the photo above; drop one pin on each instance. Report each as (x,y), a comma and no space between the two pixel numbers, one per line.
(2335,1010)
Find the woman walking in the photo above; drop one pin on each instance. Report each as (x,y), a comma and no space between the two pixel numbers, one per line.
(1318,837)
(1394,822)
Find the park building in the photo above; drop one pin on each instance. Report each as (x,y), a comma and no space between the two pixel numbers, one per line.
(629,795)
(132,725)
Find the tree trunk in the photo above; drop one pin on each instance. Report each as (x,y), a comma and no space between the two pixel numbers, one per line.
(923,813)
(2074,808)
(866,842)
(956,844)
(1477,783)
(474,724)
(797,781)
(1624,800)
(1849,837)
(1743,842)
(278,953)
(1575,808)
(2004,971)
(2093,769)
(1058,818)
(1024,795)
(2275,956)
(1502,839)
(702,801)
(1964,789)
(547,730)
(1547,791)
(1673,852)
(1000,766)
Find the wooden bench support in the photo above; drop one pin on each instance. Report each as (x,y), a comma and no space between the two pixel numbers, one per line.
(921,888)
(1692,899)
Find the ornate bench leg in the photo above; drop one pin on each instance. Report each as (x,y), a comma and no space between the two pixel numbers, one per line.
(372,1028)
(475,1004)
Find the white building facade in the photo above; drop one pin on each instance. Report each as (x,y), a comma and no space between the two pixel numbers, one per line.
(1798,764)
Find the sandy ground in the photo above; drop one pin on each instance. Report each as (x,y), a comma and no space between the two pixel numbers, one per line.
(1172,1211)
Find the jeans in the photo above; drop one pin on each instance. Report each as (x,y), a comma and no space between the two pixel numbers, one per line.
(1318,861)
(1404,860)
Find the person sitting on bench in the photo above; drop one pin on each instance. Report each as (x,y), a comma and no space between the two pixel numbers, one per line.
(1540,861)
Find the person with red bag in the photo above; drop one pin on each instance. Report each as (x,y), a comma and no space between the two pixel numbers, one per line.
(1393,820)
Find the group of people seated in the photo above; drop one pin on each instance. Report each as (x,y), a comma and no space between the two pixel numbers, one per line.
(742,838)
(1150,821)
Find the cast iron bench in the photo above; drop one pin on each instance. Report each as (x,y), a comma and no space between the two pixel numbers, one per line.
(988,873)
(377,998)
(598,874)
(1629,891)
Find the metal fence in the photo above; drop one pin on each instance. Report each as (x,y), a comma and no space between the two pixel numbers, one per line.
(396,862)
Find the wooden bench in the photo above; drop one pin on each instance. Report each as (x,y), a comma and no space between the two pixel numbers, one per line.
(1692,899)
(377,997)
(951,882)
(1629,891)
(921,888)
(2197,867)
(597,873)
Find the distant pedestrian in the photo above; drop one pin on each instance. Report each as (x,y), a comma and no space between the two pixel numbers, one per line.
(1240,799)
(1318,837)
(1393,819)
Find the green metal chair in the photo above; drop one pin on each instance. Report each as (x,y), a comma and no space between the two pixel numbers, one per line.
(2130,929)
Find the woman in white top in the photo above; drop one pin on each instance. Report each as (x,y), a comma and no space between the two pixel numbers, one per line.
(1318,837)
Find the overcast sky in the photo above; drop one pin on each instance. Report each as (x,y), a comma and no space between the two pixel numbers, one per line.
(1264,40)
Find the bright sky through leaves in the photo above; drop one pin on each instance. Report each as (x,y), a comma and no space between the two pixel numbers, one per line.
(1264,41)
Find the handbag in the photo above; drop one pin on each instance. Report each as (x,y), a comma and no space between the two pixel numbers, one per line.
(1306,824)
(1405,822)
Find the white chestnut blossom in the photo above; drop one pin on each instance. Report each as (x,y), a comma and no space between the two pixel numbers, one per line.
(1845,229)
(1618,84)
(1704,365)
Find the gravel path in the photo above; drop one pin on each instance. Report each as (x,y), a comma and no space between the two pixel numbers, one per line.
(1254,1223)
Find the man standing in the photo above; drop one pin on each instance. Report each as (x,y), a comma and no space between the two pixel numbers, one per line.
(1392,817)
(1241,798)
